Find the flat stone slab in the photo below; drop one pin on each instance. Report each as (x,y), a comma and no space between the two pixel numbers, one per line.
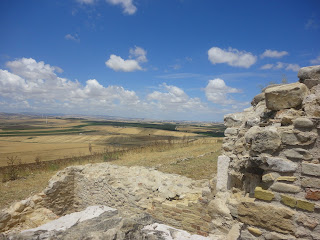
(67,221)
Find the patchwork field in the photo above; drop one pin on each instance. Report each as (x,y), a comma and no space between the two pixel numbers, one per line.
(58,143)
(30,138)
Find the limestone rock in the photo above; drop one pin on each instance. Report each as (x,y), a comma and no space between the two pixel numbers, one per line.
(310,83)
(231,132)
(263,194)
(258,98)
(279,164)
(311,169)
(267,216)
(233,120)
(67,221)
(311,105)
(222,175)
(277,236)
(285,96)
(310,182)
(298,153)
(283,187)
(302,123)
(311,72)
(293,138)
(263,139)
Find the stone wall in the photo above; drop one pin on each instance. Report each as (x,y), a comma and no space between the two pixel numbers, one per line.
(130,190)
(271,156)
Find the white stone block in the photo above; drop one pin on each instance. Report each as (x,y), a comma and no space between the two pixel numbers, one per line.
(222,175)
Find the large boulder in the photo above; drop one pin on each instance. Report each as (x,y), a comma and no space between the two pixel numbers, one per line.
(312,72)
(285,96)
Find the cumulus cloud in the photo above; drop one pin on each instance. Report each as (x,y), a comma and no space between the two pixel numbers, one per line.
(217,92)
(139,54)
(316,60)
(232,57)
(174,99)
(120,65)
(36,85)
(127,5)
(71,37)
(281,65)
(37,82)
(273,54)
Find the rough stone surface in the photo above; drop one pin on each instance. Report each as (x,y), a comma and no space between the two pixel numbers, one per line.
(310,83)
(311,105)
(302,123)
(305,205)
(67,221)
(233,120)
(258,98)
(263,139)
(263,194)
(277,236)
(285,96)
(310,182)
(267,216)
(279,164)
(311,169)
(298,153)
(288,200)
(312,72)
(222,175)
(313,194)
(283,187)
(287,178)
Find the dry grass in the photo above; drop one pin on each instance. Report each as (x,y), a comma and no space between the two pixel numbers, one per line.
(20,189)
(196,160)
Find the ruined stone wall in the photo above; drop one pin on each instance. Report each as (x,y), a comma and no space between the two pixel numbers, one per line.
(270,163)
(130,190)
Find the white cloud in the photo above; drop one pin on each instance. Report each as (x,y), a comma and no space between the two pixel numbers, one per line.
(139,53)
(38,83)
(127,5)
(232,57)
(174,99)
(267,66)
(36,86)
(316,60)
(30,69)
(273,54)
(282,65)
(217,92)
(119,64)
(71,37)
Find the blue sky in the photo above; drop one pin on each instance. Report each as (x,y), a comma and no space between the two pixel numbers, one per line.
(159,59)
